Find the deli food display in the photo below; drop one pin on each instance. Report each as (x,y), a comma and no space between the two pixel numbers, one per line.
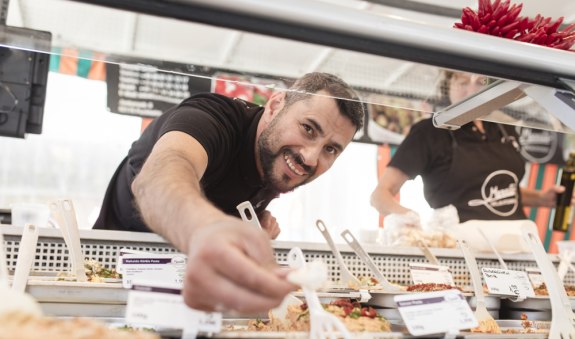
(356,318)
(24,325)
(378,313)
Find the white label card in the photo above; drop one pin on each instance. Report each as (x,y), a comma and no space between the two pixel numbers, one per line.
(430,274)
(435,312)
(507,282)
(164,307)
(535,276)
(163,268)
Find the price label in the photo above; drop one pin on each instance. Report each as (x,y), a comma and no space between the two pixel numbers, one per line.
(535,276)
(507,282)
(429,274)
(435,312)
(151,304)
(163,268)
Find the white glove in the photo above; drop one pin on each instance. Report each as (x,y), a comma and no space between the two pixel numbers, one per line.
(409,219)
(400,229)
(443,219)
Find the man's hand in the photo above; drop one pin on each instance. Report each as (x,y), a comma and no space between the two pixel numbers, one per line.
(269,224)
(232,267)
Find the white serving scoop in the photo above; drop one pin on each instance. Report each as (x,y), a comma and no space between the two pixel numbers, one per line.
(26,254)
(13,300)
(249,215)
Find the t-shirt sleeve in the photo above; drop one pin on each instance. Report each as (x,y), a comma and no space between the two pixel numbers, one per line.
(414,153)
(215,132)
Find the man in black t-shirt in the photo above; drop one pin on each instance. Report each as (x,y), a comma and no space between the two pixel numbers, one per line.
(194,164)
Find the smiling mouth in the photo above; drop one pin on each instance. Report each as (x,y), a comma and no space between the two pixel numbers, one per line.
(292,166)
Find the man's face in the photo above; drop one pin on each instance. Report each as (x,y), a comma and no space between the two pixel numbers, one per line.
(301,142)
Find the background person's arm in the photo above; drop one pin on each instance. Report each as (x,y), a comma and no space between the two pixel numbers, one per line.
(230,263)
(543,198)
(383,197)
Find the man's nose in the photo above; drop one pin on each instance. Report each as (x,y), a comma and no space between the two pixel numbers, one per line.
(311,154)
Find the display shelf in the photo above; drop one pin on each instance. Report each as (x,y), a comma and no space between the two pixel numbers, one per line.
(105,246)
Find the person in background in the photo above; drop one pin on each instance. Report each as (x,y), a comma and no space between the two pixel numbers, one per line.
(195,163)
(476,168)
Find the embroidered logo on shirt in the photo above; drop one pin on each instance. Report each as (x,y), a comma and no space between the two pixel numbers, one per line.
(538,145)
(499,193)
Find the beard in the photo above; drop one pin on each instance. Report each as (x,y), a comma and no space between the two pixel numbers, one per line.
(268,158)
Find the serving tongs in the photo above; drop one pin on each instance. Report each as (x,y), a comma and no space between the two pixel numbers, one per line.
(65,215)
(486,322)
(362,254)
(563,318)
(346,277)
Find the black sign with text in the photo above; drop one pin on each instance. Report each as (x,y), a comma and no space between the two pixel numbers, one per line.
(146,91)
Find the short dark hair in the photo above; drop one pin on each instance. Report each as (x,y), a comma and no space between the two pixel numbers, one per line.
(346,98)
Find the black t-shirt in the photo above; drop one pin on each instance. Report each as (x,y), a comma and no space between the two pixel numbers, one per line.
(226,128)
(429,151)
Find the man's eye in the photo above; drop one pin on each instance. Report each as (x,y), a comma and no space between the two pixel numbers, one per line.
(307,128)
(331,150)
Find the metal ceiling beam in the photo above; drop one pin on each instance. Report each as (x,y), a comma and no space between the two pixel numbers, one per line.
(229,48)
(420,7)
(324,24)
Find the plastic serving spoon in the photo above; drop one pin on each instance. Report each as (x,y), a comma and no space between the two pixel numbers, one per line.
(362,254)
(563,318)
(69,228)
(490,243)
(246,206)
(26,254)
(427,252)
(486,322)
(279,312)
(13,300)
(347,278)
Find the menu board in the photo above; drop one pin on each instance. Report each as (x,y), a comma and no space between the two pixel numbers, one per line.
(145,90)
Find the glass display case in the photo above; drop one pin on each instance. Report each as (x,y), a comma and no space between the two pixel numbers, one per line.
(152,54)
(374,48)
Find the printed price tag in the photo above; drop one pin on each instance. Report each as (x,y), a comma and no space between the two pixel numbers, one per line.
(435,312)
(124,251)
(167,268)
(429,274)
(164,306)
(535,276)
(507,282)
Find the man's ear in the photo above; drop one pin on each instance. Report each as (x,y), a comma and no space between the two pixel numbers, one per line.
(275,103)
